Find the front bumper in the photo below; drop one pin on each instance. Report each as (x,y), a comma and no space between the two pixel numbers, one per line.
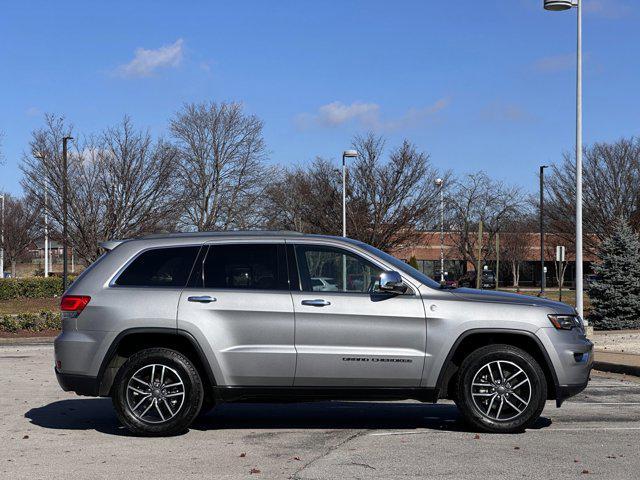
(567,391)
(81,384)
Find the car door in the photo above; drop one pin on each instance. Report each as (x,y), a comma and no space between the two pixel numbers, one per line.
(346,334)
(238,306)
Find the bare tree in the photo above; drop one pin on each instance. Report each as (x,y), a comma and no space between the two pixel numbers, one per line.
(475,198)
(516,244)
(222,172)
(305,199)
(388,201)
(611,189)
(559,268)
(393,200)
(121,183)
(19,232)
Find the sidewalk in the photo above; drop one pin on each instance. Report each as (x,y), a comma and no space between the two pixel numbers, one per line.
(617,351)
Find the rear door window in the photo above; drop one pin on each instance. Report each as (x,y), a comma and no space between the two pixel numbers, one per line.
(160,267)
(247,266)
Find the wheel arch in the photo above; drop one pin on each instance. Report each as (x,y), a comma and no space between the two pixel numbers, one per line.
(471,340)
(135,339)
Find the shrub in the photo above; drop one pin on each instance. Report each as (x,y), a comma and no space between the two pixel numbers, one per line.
(32,287)
(32,322)
(9,323)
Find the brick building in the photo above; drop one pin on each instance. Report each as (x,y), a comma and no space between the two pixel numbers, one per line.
(427,254)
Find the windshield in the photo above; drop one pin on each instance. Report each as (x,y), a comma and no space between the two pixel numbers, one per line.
(402,266)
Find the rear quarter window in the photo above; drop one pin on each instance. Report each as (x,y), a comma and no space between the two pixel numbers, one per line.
(159,267)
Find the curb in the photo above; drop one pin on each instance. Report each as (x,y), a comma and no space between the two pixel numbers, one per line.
(617,368)
(18,341)
(614,362)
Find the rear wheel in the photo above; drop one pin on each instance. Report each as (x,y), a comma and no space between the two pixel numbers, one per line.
(501,389)
(157,392)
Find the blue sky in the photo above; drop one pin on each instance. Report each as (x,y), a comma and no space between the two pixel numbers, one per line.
(478,84)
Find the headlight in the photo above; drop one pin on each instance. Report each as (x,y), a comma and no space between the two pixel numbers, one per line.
(565,322)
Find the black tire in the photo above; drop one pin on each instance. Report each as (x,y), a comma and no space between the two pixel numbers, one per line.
(493,405)
(178,375)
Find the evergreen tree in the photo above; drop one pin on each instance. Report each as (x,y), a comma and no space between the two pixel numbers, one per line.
(615,296)
(413,262)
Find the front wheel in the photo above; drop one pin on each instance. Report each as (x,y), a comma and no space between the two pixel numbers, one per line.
(501,389)
(157,392)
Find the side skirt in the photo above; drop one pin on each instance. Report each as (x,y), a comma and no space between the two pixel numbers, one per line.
(315,394)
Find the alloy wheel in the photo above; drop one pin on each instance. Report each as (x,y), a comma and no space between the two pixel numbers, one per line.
(155,393)
(501,390)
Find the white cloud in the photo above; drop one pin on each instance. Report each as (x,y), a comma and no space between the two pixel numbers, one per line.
(337,113)
(367,115)
(146,62)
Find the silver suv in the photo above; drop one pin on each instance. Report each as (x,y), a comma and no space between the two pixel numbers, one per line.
(171,325)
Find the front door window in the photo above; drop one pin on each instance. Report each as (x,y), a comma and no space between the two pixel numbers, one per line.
(329,269)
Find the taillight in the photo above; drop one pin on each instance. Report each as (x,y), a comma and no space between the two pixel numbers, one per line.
(74,303)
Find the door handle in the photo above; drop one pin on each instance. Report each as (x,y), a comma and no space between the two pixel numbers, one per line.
(318,302)
(202,299)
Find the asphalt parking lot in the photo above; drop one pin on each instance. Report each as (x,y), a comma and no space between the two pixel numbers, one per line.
(48,433)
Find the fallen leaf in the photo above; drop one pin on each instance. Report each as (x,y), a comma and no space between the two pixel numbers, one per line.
(476,437)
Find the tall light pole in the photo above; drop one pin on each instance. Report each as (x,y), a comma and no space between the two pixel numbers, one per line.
(543,276)
(40,156)
(65,202)
(440,184)
(556,5)
(346,154)
(2,239)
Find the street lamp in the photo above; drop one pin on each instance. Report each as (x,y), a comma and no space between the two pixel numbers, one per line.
(40,156)
(543,277)
(346,154)
(440,183)
(556,5)
(65,241)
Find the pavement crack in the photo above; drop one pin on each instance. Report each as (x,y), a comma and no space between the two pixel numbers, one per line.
(362,465)
(331,449)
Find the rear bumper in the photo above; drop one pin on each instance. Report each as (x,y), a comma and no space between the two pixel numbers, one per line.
(81,384)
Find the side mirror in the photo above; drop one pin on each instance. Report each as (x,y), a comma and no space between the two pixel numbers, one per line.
(391,282)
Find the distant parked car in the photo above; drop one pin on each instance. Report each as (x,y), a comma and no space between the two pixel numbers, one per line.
(469,280)
(324,284)
(449,281)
